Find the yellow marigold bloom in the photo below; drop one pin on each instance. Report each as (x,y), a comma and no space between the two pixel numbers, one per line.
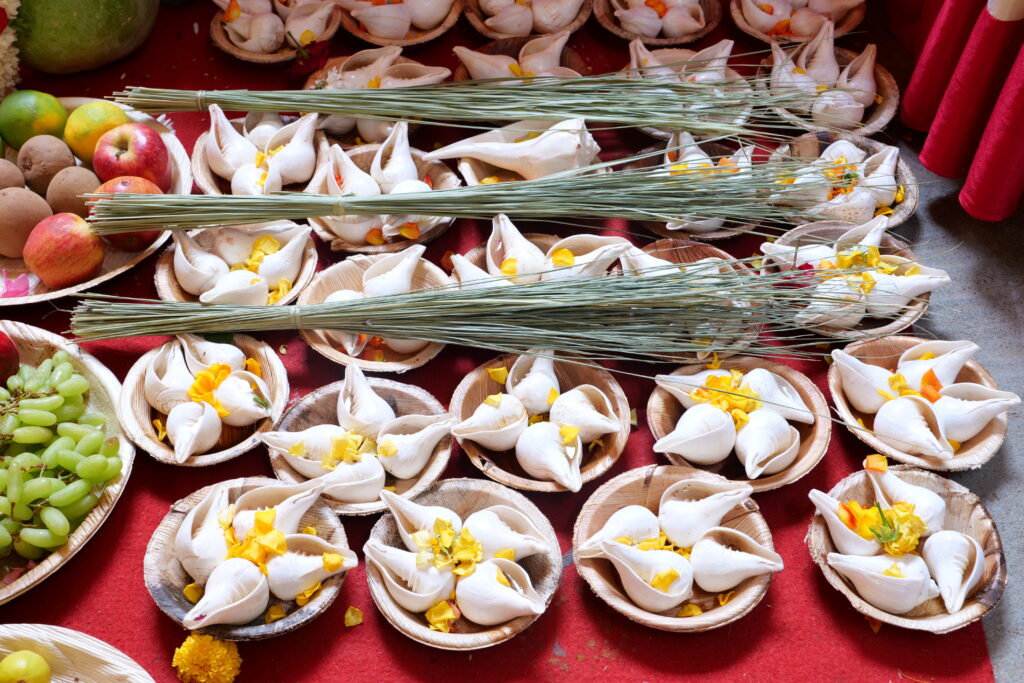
(690,610)
(499,375)
(353,616)
(907,529)
(441,616)
(860,520)
(204,659)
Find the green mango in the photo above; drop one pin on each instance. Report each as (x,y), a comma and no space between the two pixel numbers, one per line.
(68,36)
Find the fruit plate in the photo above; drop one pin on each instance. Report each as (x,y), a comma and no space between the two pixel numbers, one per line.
(72,656)
(35,345)
(116,261)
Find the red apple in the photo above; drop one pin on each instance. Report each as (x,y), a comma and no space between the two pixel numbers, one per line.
(138,239)
(9,361)
(63,251)
(133,149)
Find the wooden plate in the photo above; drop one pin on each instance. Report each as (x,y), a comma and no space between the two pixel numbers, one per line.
(877,116)
(414,37)
(209,182)
(220,38)
(168,289)
(73,656)
(885,352)
(320,407)
(115,261)
(644,486)
(502,466)
(714,149)
(477,17)
(510,47)
(465,496)
(830,231)
(605,13)
(34,346)
(849,22)
(137,415)
(964,513)
(809,145)
(663,411)
(443,178)
(348,274)
(165,577)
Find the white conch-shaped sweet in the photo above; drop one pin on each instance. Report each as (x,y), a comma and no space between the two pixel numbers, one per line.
(394,273)
(551,15)
(239,287)
(541,453)
(709,65)
(691,507)
(818,57)
(290,502)
(532,380)
(312,17)
(301,567)
(167,379)
(481,65)
(862,381)
(414,588)
(200,353)
(858,77)
(835,302)
(637,568)
(426,14)
(723,558)
(248,6)
(648,64)
(964,409)
(513,19)
(894,291)
(892,594)
(495,427)
(360,408)
(236,593)
(226,148)
(638,262)
(500,527)
(391,21)
(355,482)
(633,521)
(263,33)
(703,435)
(245,397)
(846,540)
(506,245)
(837,109)
(591,256)
(470,276)
(393,162)
(362,67)
(259,126)
(956,562)
(640,20)
(786,74)
(316,443)
(777,394)
(544,53)
(195,269)
(252,180)
(878,175)
(411,517)
(491,7)
(949,358)
(853,207)
(835,10)
(296,159)
(766,444)
(805,22)
(587,408)
(910,425)
(680,386)
(414,437)
(761,20)
(486,601)
(890,489)
(199,542)
(192,428)
(682,20)
(562,146)
(353,344)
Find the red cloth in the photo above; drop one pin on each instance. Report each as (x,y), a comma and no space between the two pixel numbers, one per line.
(996,181)
(802,630)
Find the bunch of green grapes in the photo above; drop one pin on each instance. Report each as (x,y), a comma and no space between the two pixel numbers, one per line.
(55,458)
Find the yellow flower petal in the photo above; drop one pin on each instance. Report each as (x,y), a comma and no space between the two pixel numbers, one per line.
(502,579)
(568,434)
(306,37)
(304,597)
(499,375)
(894,571)
(552,395)
(441,616)
(563,258)
(273,614)
(298,448)
(506,554)
(353,616)
(724,598)
(161,431)
(192,592)
(252,365)
(662,580)
(632,417)
(508,266)
(422,538)
(373,82)
(715,363)
(954,444)
(690,610)
(387,449)
(534,419)
(311,530)
(332,562)
(493,400)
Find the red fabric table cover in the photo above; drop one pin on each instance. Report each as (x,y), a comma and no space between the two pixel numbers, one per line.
(802,630)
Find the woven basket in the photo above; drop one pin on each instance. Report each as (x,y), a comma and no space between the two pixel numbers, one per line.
(74,657)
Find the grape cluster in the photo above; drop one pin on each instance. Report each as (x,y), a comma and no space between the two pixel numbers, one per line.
(55,459)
